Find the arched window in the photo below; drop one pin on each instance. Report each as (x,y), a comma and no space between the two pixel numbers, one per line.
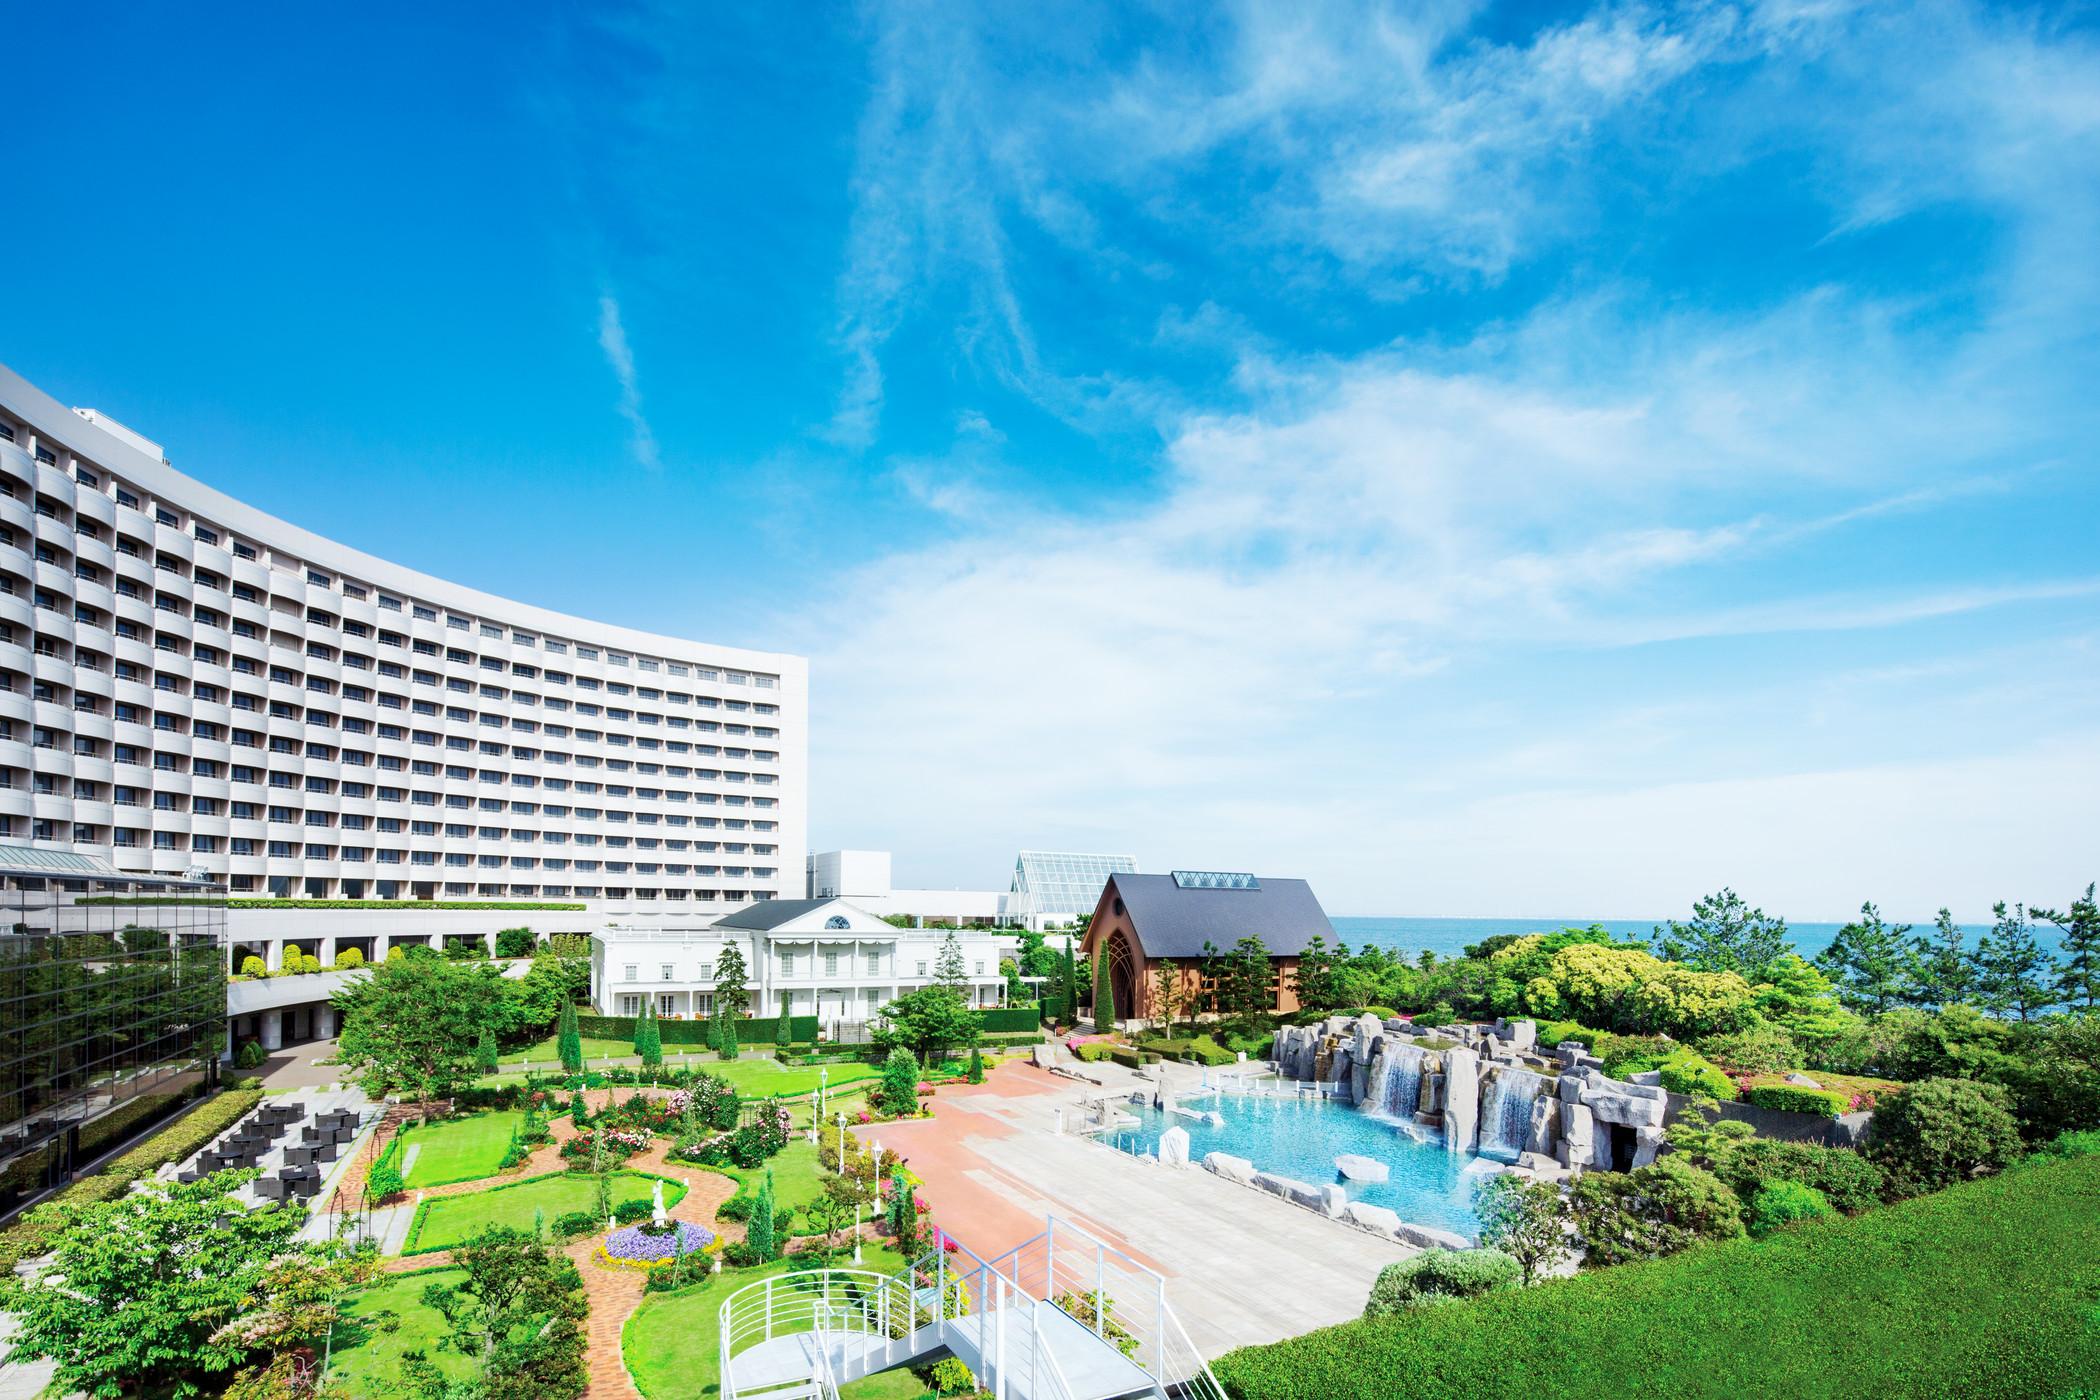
(838,921)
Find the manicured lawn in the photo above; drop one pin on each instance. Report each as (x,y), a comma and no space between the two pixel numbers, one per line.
(1984,1290)
(444,1221)
(798,1178)
(366,1360)
(544,1056)
(672,1344)
(457,1149)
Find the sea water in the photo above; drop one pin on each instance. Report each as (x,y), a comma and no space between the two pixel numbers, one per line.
(1300,1138)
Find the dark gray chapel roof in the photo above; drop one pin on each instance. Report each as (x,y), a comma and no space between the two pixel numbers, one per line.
(1172,922)
(771,913)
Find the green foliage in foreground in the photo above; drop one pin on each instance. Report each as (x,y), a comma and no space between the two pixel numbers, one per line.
(1986,1289)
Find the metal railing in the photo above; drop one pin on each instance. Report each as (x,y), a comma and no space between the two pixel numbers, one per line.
(851,1312)
(1118,1299)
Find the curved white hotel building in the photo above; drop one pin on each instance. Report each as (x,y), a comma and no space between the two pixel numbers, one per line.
(188,683)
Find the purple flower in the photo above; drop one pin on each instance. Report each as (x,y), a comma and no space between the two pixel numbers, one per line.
(634,1243)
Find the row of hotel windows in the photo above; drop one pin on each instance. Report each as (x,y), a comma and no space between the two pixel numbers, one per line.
(210,535)
(832,963)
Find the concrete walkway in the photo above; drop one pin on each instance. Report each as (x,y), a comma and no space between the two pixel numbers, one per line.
(1241,1266)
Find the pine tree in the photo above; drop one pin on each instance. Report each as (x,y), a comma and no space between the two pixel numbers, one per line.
(1725,935)
(1945,973)
(903,1214)
(1104,993)
(732,979)
(1872,962)
(2078,975)
(648,1038)
(949,969)
(758,1230)
(569,1041)
(783,1035)
(1068,982)
(977,1067)
(2013,972)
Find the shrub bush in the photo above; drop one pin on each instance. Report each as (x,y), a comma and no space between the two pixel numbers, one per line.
(1847,1180)
(1438,1275)
(383,1180)
(1094,1051)
(349,958)
(1688,1072)
(574,1223)
(1783,1203)
(1940,1131)
(628,1212)
(1763,1048)
(1792,1098)
(1651,1212)
(250,1055)
(253,966)
(1552,1033)
(2082,1144)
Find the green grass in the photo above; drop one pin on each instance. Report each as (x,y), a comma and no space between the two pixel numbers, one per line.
(798,1178)
(1984,1290)
(457,1149)
(444,1221)
(365,1359)
(672,1344)
(544,1056)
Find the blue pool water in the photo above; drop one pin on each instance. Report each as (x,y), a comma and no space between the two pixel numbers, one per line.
(1300,1138)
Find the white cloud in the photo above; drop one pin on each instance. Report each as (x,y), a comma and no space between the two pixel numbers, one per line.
(612,339)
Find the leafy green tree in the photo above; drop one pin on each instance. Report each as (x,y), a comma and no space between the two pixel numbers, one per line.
(1938,1132)
(903,1214)
(568,1042)
(1872,962)
(2078,973)
(516,942)
(900,1081)
(517,1313)
(1168,998)
(929,1021)
(293,1310)
(1725,935)
(140,1289)
(1524,1219)
(1035,957)
(1945,973)
(648,1037)
(485,1057)
(414,1025)
(2014,974)
(1245,988)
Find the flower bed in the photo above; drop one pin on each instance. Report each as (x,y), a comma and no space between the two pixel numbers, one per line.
(645,1247)
(620,1144)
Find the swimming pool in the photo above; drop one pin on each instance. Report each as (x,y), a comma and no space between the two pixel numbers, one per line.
(1300,1138)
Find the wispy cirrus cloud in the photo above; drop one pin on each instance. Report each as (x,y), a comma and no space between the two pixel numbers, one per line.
(619,357)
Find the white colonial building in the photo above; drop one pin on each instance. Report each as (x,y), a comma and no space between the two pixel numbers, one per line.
(826,958)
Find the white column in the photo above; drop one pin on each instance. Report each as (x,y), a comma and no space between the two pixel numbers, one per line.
(271,1023)
(326,951)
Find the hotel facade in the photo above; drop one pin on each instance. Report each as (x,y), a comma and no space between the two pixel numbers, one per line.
(191,686)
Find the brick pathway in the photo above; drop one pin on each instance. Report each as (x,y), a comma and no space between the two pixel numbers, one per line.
(612,1294)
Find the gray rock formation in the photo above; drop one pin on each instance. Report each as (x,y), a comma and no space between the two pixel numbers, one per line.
(1377,1219)
(1461,1099)
(1426,1237)
(1358,1168)
(1230,1167)
(1174,1147)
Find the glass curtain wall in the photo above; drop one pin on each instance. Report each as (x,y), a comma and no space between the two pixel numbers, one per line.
(112,1007)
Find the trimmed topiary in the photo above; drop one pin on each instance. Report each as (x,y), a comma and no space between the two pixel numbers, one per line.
(1783,1203)
(1440,1275)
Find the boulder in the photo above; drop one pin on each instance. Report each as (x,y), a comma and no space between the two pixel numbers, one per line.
(1578,1135)
(1645,1077)
(1214,1118)
(1461,1100)
(1522,1035)
(1538,1163)
(1043,1056)
(1328,1200)
(1802,1081)
(1647,1142)
(1572,1084)
(1545,1125)
(1620,1103)
(1230,1167)
(1427,1237)
(1174,1147)
(1377,1219)
(1357,1168)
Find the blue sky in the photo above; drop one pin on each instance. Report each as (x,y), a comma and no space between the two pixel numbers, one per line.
(1489,459)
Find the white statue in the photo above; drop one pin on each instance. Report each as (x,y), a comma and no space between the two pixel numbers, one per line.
(658,1213)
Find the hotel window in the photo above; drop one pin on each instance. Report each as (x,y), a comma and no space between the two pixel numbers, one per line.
(874,964)
(667,1003)
(787,964)
(634,972)
(922,969)
(667,971)
(831,962)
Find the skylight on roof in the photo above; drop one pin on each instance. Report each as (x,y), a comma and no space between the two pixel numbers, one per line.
(1215,880)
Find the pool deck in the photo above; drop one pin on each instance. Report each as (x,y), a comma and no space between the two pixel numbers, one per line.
(1241,1266)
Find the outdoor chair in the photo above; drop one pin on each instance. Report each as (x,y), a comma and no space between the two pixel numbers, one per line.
(326,1152)
(269,1188)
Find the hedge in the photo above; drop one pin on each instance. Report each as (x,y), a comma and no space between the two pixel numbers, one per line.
(1789,1098)
(1007,1019)
(1053,1008)
(32,1235)
(750,1030)
(1986,1289)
